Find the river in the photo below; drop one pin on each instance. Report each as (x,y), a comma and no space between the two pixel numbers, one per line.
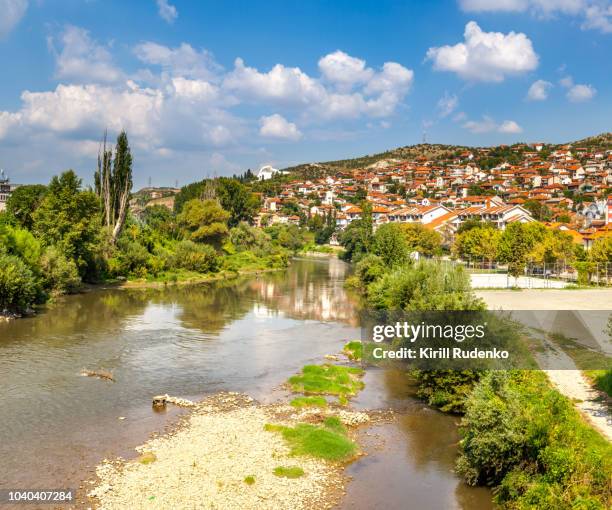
(245,335)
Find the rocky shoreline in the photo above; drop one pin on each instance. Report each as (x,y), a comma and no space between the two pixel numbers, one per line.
(220,456)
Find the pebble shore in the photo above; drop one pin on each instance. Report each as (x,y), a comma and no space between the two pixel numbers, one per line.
(204,463)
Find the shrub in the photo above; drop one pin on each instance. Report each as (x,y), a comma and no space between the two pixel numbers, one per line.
(195,257)
(61,274)
(18,286)
(390,244)
(370,268)
(522,434)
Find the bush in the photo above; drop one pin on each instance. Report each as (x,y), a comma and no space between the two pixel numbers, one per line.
(524,436)
(18,286)
(61,275)
(201,258)
(390,244)
(369,269)
(244,237)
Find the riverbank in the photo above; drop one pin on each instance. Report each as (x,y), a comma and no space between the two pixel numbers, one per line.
(223,455)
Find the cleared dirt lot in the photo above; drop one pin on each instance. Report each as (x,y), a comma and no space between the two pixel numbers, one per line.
(547,299)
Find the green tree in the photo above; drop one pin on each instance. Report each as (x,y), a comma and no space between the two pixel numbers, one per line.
(204,221)
(60,274)
(601,251)
(114,186)
(68,218)
(555,246)
(390,244)
(538,210)
(516,243)
(238,200)
(22,203)
(478,243)
(421,239)
(18,286)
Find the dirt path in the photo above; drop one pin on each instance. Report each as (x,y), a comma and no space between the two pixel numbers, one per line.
(574,385)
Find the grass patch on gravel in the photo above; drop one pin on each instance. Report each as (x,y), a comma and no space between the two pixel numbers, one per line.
(328,441)
(289,471)
(147,458)
(309,402)
(327,380)
(249,480)
(354,350)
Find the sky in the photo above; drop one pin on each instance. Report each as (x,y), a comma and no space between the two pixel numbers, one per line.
(212,88)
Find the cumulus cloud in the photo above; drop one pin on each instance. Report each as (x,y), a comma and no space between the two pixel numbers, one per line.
(538,91)
(276,126)
(183,60)
(577,92)
(595,14)
(167,11)
(485,56)
(12,12)
(447,104)
(181,102)
(488,125)
(292,87)
(344,70)
(82,59)
(580,93)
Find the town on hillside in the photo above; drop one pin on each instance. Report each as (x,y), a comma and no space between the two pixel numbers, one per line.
(567,187)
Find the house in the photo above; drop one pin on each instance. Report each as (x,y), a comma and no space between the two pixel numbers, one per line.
(5,189)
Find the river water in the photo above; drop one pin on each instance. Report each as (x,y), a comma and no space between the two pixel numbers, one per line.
(244,335)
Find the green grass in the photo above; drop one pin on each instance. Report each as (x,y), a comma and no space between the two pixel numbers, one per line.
(309,402)
(289,471)
(602,380)
(354,350)
(586,359)
(147,458)
(328,441)
(249,480)
(327,380)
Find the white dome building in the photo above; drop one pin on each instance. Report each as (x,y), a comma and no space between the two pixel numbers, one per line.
(267,172)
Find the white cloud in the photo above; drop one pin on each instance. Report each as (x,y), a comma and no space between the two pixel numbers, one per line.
(447,104)
(580,93)
(577,92)
(509,126)
(276,126)
(488,125)
(181,61)
(12,12)
(291,87)
(83,60)
(485,56)
(539,90)
(344,70)
(167,11)
(595,14)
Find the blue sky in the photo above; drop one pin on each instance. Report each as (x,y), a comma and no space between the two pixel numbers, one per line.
(213,88)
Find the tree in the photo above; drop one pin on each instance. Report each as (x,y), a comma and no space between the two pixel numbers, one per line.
(478,243)
(237,199)
(68,218)
(22,203)
(538,210)
(390,244)
(18,286)
(357,237)
(204,221)
(114,186)
(554,246)
(601,251)
(516,243)
(421,239)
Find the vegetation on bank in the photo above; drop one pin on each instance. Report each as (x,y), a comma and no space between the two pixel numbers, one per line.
(520,436)
(308,402)
(289,471)
(527,440)
(54,238)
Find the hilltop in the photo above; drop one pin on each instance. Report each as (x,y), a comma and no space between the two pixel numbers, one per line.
(438,152)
